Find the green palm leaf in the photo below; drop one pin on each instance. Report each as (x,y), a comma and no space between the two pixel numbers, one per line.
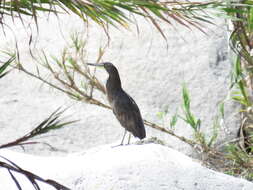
(4,67)
(114,12)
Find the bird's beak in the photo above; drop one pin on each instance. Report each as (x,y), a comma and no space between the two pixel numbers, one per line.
(95,64)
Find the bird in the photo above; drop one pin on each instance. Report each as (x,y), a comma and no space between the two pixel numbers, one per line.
(123,106)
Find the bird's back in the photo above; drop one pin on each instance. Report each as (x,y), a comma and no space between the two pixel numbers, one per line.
(127,112)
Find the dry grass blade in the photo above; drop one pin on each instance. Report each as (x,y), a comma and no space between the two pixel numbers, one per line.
(153,21)
(33,178)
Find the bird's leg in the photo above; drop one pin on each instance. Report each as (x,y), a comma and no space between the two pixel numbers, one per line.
(123,137)
(129,138)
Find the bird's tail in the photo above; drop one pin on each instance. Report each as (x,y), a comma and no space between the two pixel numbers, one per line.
(141,133)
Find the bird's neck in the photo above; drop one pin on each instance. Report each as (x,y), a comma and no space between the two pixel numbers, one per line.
(113,82)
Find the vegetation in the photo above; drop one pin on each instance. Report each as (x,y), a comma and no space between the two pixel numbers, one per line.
(53,122)
(66,70)
(242,86)
(113,12)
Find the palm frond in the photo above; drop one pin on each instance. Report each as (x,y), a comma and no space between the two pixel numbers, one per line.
(53,122)
(115,13)
(4,67)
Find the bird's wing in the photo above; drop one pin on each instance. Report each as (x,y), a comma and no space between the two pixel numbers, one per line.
(128,114)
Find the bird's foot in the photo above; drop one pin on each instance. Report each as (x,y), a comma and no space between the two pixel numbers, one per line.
(117,145)
(120,145)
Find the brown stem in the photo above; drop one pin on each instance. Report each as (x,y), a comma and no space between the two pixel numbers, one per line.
(31,177)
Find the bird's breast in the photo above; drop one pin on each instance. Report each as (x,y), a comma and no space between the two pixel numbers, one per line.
(110,98)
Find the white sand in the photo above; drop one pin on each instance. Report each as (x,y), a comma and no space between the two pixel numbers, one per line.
(135,167)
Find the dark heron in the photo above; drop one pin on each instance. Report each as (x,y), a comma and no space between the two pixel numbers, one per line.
(124,107)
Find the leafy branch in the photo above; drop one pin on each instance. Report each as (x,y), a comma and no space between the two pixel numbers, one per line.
(51,123)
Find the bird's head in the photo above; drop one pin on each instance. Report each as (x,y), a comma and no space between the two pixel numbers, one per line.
(109,67)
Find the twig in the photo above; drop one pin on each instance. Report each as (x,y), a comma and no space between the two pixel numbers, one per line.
(29,175)
(87,99)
